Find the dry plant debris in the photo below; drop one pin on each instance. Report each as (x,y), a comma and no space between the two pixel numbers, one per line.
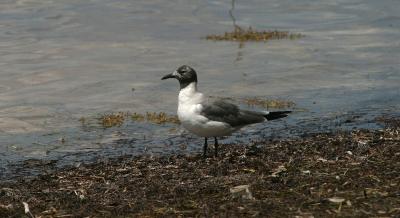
(322,175)
(242,35)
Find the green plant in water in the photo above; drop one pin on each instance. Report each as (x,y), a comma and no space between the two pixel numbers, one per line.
(117,119)
(137,117)
(110,120)
(242,35)
(154,117)
(161,118)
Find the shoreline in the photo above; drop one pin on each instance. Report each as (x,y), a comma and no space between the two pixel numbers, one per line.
(345,173)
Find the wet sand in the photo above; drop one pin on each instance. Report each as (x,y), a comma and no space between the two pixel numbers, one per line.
(324,175)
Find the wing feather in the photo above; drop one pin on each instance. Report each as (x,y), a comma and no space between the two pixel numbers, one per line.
(223,111)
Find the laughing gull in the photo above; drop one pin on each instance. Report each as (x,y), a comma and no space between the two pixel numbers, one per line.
(207,118)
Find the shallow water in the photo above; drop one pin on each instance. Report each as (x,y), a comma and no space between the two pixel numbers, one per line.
(66,59)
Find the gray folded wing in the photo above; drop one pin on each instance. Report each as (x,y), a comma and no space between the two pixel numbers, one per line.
(229,113)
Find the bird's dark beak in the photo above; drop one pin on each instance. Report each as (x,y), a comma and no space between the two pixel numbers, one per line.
(171,75)
(167,76)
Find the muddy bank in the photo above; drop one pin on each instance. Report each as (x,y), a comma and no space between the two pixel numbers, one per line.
(344,173)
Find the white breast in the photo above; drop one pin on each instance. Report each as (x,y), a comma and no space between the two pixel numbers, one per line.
(189,113)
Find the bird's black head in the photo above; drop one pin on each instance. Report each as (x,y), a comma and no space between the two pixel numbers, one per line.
(184,74)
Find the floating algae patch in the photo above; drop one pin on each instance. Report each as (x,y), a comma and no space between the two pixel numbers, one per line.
(138,117)
(268,103)
(250,34)
(115,119)
(154,117)
(242,34)
(119,118)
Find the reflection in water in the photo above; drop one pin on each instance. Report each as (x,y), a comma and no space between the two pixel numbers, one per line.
(239,55)
(235,26)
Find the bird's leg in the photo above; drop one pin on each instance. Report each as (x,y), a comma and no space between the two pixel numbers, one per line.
(205,147)
(216,147)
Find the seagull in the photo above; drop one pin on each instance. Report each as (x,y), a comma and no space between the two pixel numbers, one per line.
(206,117)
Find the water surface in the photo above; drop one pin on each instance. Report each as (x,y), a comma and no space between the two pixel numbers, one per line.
(66,59)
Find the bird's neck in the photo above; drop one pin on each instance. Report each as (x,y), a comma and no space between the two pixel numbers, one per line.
(185,83)
(191,88)
(189,93)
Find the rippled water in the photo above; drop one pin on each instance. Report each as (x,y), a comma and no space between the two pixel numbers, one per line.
(66,59)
